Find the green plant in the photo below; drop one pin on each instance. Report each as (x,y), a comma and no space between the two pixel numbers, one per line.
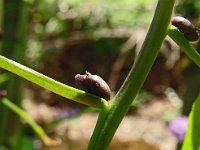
(14,28)
(112,112)
(192,137)
(37,129)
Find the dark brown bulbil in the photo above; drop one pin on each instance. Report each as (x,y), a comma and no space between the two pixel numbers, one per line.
(193,36)
(184,25)
(93,84)
(190,32)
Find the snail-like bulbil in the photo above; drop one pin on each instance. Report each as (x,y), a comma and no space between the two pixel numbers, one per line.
(93,84)
(190,32)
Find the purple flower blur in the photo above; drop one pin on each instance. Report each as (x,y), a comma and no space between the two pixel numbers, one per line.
(66,113)
(178,127)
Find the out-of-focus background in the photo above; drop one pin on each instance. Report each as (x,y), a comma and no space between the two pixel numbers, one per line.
(61,38)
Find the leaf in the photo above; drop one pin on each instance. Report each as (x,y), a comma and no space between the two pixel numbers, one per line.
(192,139)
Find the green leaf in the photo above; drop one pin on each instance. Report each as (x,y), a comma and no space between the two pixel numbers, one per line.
(192,139)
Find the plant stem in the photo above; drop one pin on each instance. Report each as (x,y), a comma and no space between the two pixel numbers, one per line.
(52,85)
(18,55)
(37,129)
(16,18)
(109,119)
(184,45)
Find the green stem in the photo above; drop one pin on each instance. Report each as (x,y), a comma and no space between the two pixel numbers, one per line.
(184,45)
(37,129)
(18,55)
(52,85)
(109,119)
(14,40)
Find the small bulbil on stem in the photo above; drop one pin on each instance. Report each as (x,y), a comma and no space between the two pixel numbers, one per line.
(190,32)
(93,84)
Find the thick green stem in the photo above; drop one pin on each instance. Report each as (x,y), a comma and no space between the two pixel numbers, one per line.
(52,85)
(184,45)
(109,119)
(12,29)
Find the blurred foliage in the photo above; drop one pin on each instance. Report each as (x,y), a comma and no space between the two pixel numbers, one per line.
(189,8)
(26,144)
(96,13)
(142,98)
(52,20)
